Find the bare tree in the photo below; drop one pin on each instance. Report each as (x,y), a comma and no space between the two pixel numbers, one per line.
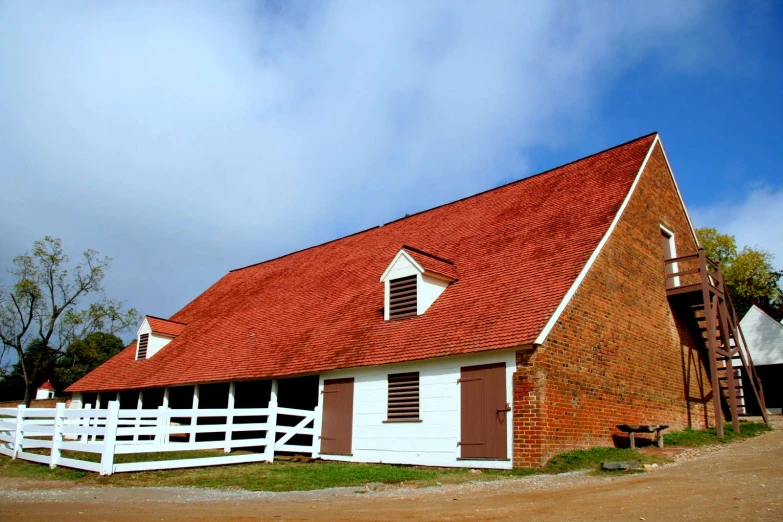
(42,307)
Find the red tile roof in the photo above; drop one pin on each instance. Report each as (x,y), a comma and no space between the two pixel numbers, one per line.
(518,249)
(46,386)
(165,326)
(431,262)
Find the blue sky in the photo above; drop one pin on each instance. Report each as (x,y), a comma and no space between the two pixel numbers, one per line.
(184,139)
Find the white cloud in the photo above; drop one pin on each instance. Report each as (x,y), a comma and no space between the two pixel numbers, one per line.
(188,138)
(756,220)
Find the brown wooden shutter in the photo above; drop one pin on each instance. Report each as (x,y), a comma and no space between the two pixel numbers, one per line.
(403,396)
(402,297)
(144,340)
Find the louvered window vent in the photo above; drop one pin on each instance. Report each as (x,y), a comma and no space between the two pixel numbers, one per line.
(403,397)
(144,340)
(402,297)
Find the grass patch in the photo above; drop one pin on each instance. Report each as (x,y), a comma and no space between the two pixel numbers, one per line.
(592,458)
(689,438)
(279,476)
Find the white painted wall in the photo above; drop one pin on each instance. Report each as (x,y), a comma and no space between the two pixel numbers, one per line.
(429,290)
(76,401)
(432,442)
(43,394)
(156,342)
(764,336)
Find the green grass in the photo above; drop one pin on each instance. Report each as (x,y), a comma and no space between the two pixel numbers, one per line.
(592,458)
(689,438)
(299,476)
(279,476)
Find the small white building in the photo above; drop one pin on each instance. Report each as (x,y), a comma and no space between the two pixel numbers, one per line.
(45,391)
(764,336)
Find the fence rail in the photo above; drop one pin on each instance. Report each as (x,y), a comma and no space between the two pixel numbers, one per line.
(111,431)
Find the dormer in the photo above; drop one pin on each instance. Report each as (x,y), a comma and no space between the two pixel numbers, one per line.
(413,281)
(155,333)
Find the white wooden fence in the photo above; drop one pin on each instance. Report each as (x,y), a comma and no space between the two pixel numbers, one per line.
(112,431)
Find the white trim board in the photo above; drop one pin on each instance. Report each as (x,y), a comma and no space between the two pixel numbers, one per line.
(677,188)
(591,260)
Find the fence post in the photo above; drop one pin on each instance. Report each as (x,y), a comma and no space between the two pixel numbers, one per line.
(271,424)
(18,434)
(86,423)
(110,438)
(229,417)
(57,436)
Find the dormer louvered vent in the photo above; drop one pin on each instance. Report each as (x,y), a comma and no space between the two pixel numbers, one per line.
(402,297)
(144,340)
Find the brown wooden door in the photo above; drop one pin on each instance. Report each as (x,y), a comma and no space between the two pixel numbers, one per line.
(484,433)
(337,423)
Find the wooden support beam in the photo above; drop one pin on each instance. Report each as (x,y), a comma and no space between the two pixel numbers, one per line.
(709,312)
(271,432)
(729,362)
(194,418)
(230,416)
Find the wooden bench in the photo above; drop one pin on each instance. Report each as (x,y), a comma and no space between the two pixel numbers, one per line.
(633,429)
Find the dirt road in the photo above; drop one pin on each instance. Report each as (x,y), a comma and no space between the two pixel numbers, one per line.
(740,481)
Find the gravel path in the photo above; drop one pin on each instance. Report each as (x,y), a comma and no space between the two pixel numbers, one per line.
(743,479)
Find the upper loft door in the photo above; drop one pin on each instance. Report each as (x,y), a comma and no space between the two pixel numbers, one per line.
(337,423)
(484,412)
(669,252)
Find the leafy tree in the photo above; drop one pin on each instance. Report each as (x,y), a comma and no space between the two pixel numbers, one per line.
(12,385)
(717,246)
(749,273)
(42,304)
(84,355)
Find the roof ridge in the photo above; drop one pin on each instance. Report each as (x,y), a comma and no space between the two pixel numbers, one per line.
(422,252)
(450,202)
(167,320)
(548,171)
(764,312)
(304,249)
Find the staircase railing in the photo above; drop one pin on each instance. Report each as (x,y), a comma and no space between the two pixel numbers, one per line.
(744,352)
(724,337)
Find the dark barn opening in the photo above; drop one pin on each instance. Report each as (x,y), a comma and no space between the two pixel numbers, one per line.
(212,396)
(129,399)
(251,394)
(106,397)
(152,399)
(91,399)
(299,393)
(181,398)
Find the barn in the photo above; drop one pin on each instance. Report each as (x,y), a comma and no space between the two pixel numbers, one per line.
(494,331)
(764,336)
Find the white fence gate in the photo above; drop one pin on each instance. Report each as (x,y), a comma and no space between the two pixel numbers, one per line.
(112,431)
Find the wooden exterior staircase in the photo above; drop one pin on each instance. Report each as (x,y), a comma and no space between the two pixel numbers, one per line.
(695,282)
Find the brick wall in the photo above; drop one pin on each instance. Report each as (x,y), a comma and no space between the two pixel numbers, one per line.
(618,354)
(39,403)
